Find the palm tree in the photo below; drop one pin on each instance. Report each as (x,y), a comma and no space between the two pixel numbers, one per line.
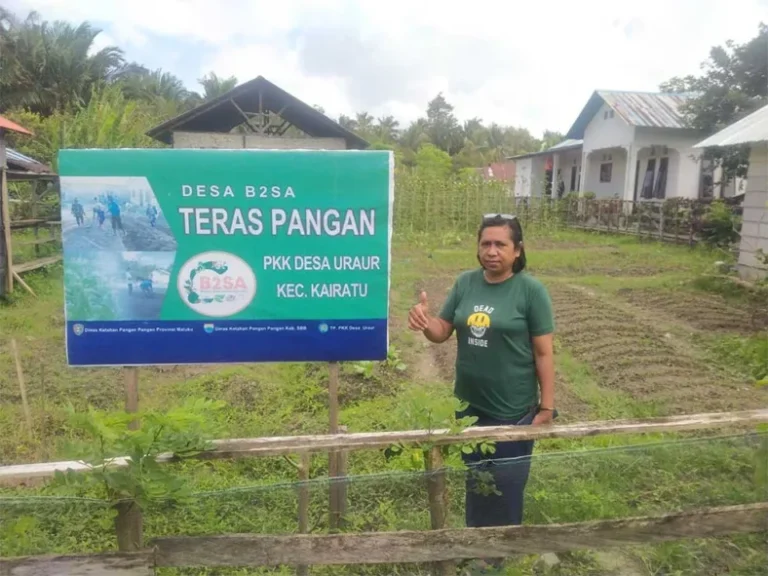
(347,122)
(146,85)
(416,134)
(364,123)
(47,67)
(387,128)
(214,86)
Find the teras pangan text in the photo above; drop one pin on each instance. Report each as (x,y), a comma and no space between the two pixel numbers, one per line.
(295,222)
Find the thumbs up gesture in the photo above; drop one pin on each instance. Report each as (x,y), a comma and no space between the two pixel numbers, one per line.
(418,317)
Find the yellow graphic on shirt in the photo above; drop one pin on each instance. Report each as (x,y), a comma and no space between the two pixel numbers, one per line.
(478,323)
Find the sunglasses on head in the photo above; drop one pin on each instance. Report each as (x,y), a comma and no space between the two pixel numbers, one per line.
(503,216)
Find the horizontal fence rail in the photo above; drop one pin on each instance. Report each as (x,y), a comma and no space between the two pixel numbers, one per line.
(407,547)
(287,445)
(109,564)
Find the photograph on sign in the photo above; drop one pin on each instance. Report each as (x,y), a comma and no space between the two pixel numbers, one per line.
(180,256)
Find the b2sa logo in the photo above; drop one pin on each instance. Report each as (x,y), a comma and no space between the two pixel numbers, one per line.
(214,283)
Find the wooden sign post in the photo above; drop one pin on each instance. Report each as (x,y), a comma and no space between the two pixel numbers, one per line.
(337,493)
(129,523)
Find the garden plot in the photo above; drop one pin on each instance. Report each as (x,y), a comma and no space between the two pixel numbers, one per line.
(626,353)
(702,312)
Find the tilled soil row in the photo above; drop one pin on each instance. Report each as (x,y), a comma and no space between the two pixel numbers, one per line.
(708,313)
(628,354)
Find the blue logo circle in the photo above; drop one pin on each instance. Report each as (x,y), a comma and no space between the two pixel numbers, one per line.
(323,328)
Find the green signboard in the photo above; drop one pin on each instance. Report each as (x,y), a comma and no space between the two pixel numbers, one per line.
(194,256)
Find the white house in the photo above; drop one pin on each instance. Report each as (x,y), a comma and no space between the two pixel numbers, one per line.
(752,130)
(629,145)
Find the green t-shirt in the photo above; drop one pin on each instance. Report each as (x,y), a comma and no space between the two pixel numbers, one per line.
(495,366)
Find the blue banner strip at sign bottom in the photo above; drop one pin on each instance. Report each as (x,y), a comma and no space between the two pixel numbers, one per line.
(139,343)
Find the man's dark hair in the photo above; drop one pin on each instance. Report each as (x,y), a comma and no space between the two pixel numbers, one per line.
(515,234)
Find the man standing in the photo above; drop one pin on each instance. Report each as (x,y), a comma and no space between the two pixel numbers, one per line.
(114,213)
(78,212)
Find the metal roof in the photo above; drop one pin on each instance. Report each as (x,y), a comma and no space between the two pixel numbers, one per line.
(224,113)
(749,130)
(567,144)
(643,109)
(21,167)
(6,124)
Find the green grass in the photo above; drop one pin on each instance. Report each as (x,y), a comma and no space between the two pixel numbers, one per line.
(24,248)
(572,480)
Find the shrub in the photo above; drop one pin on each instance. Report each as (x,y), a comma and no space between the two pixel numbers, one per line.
(720,226)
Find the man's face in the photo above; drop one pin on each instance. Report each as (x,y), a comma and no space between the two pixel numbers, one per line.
(496,251)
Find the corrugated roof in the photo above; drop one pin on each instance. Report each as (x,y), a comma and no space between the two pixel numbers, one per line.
(748,130)
(6,124)
(498,171)
(19,162)
(643,109)
(222,114)
(568,144)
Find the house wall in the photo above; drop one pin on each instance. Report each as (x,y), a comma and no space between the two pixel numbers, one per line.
(240,141)
(539,178)
(569,159)
(607,189)
(687,176)
(754,230)
(523,177)
(604,132)
(530,176)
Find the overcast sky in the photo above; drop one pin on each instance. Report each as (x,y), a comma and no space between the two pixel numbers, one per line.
(523,63)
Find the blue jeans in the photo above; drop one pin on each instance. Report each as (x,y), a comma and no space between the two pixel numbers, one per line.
(496,482)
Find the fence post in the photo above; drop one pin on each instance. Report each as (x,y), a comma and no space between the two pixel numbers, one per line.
(338,486)
(129,522)
(438,502)
(599,215)
(691,224)
(661,222)
(337,493)
(6,248)
(304,467)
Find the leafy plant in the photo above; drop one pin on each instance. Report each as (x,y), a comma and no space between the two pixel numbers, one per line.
(719,226)
(368,369)
(103,437)
(748,353)
(421,410)
(394,360)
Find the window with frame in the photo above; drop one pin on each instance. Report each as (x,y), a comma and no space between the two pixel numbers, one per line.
(707,180)
(660,187)
(606,171)
(654,186)
(647,191)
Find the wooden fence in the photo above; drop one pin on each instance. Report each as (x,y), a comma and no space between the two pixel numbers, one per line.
(45,231)
(441,546)
(676,220)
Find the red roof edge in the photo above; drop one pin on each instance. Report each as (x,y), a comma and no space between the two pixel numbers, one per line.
(6,124)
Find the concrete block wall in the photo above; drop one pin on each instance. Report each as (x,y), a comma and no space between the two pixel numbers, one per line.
(754,231)
(253,141)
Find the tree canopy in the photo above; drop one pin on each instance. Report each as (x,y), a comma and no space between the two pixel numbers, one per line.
(733,84)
